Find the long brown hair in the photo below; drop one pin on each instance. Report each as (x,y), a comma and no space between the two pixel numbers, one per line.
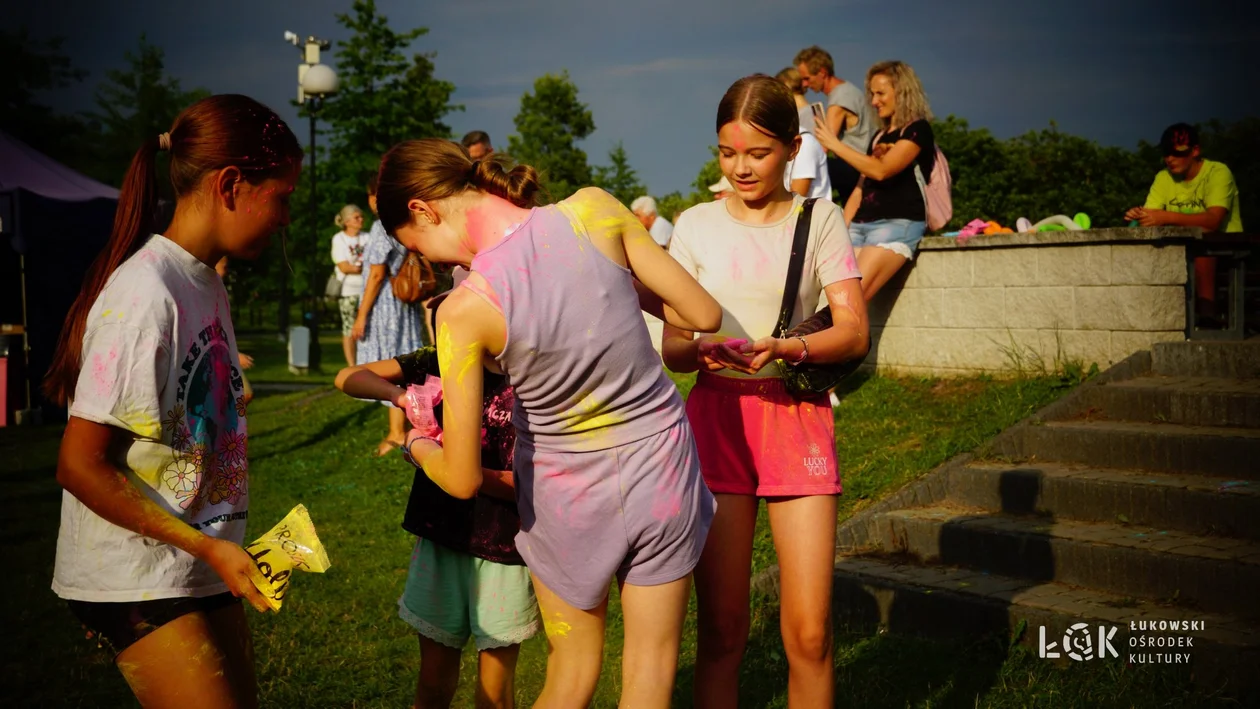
(214,133)
(912,102)
(433,168)
(765,103)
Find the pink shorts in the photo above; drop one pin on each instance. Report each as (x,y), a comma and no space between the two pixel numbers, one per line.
(754,438)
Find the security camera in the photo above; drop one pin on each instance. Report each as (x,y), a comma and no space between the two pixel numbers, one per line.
(291,38)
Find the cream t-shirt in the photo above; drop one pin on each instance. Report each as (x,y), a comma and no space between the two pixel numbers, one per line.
(744,266)
(160,363)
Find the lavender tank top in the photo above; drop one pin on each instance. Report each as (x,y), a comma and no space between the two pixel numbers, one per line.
(578,353)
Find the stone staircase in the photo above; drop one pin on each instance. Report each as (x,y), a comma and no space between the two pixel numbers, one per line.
(1134,499)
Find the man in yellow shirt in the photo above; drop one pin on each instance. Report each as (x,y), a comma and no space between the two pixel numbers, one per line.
(1191,191)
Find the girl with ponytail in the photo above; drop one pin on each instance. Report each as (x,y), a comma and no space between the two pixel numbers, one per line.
(153,461)
(605,471)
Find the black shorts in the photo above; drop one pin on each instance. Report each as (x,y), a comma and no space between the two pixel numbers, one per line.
(121,625)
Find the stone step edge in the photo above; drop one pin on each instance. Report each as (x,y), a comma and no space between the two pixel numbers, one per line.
(1124,476)
(1046,597)
(1158,428)
(989,523)
(1184,385)
(1051,598)
(933,486)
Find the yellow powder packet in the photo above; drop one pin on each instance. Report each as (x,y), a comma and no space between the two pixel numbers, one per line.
(291,544)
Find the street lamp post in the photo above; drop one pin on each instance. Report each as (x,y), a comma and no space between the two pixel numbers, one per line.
(315,82)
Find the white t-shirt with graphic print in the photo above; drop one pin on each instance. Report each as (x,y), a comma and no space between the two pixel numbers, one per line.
(159,362)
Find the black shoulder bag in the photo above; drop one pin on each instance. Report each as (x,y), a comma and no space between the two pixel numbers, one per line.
(806,379)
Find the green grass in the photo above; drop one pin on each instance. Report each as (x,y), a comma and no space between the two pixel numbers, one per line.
(271,358)
(338,642)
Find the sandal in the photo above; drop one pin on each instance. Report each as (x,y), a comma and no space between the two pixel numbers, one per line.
(386,447)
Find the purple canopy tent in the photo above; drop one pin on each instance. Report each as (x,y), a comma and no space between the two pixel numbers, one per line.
(53,222)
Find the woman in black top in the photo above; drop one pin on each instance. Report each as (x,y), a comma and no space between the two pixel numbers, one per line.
(888,209)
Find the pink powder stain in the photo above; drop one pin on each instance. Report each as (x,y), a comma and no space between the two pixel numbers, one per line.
(739,137)
(667,507)
(480,222)
(101,372)
(850,263)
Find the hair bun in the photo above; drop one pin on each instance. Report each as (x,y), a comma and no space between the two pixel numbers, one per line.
(519,185)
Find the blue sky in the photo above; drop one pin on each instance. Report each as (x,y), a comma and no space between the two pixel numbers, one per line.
(652,71)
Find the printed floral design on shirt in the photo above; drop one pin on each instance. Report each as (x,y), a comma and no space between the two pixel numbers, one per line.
(206,426)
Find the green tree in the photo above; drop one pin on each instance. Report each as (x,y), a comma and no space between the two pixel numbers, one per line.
(134,105)
(385,96)
(618,178)
(550,122)
(709,174)
(32,67)
(1038,174)
(674,203)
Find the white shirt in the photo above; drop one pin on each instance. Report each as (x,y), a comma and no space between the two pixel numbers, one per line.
(348,248)
(159,362)
(810,164)
(661,230)
(744,266)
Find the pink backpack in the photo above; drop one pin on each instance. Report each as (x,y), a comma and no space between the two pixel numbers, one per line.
(936,190)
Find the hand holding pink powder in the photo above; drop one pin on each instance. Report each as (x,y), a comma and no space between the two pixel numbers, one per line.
(421,399)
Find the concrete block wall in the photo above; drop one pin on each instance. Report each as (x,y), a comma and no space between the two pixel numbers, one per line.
(1006,301)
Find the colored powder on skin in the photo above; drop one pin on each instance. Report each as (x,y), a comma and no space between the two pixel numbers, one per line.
(556,628)
(841,300)
(606,217)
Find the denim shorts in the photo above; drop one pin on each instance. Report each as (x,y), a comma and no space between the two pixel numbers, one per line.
(901,236)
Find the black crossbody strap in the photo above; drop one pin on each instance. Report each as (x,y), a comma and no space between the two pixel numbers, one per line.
(795,267)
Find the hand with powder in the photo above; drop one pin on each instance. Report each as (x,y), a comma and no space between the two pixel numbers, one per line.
(760,353)
(714,352)
(418,402)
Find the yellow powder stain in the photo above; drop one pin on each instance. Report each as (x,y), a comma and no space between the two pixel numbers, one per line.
(106,313)
(579,229)
(151,475)
(142,423)
(468,360)
(131,674)
(556,628)
(445,347)
(605,217)
(588,415)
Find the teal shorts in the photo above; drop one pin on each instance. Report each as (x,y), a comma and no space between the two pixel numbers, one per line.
(451,595)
